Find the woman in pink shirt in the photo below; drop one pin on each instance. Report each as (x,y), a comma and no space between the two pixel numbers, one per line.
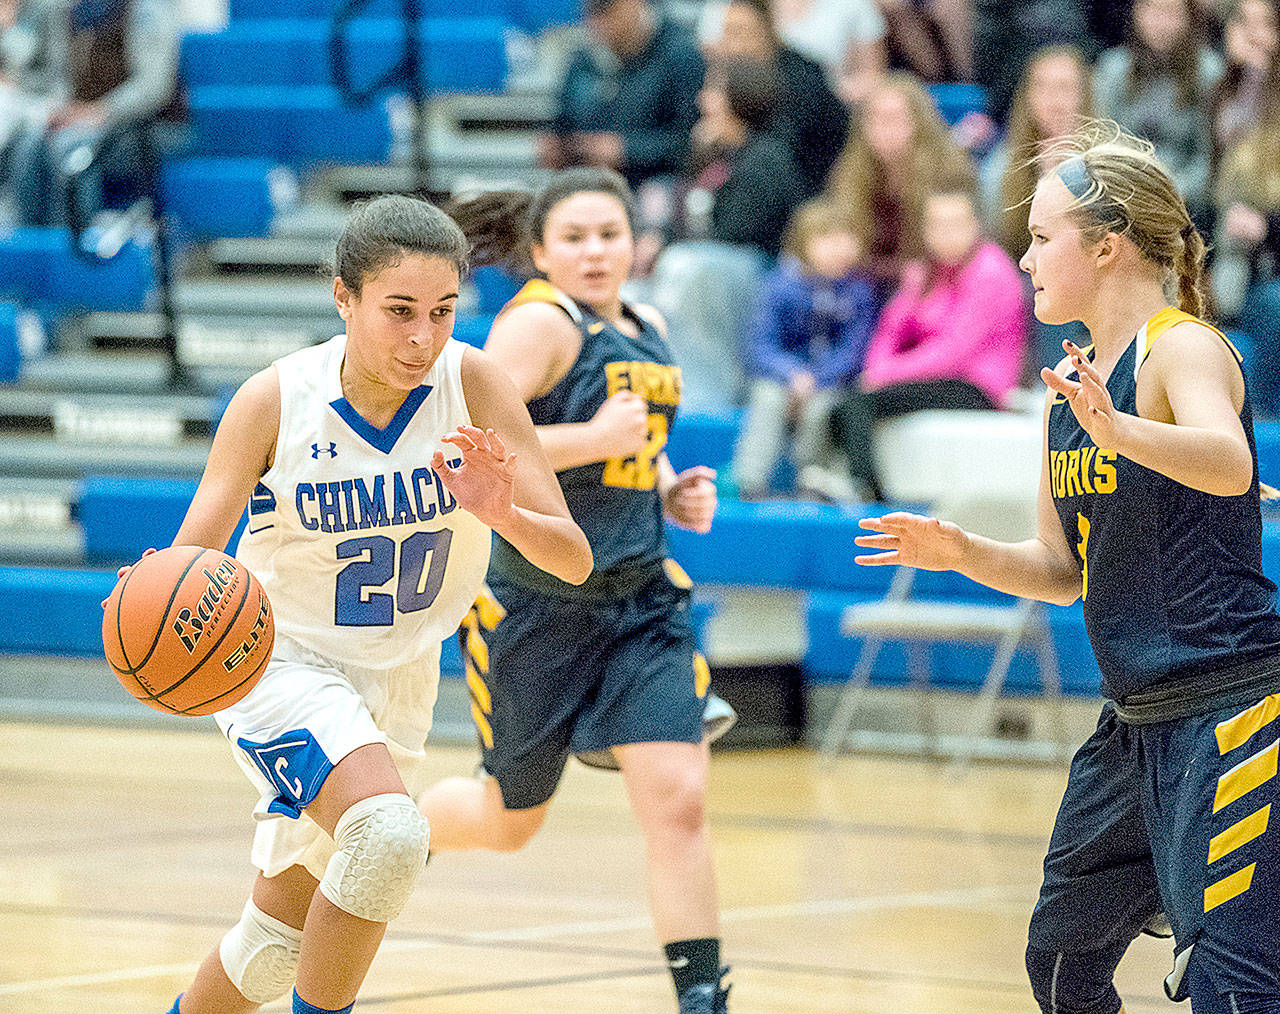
(953,336)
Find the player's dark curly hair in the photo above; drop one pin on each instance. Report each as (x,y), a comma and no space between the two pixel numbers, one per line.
(381,231)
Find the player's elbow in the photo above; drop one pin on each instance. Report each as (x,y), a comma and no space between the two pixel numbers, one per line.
(579,564)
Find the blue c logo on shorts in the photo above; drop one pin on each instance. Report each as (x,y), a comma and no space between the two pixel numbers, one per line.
(294,764)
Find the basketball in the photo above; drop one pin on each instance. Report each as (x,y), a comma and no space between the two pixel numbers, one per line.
(188,631)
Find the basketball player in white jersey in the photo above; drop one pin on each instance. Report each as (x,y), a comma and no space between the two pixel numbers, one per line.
(375,466)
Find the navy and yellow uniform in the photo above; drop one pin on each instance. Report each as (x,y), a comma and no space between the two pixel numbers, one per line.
(555,668)
(1167,805)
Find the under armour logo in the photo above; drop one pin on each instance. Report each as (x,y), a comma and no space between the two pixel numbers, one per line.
(331,450)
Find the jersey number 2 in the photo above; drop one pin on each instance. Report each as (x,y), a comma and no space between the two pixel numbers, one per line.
(1082,523)
(417,588)
(639,472)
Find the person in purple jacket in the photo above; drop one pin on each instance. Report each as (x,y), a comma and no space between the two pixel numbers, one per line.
(804,347)
(952,337)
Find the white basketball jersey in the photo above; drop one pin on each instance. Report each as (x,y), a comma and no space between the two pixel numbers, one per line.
(366,557)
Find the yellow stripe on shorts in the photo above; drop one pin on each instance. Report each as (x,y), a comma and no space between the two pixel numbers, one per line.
(1228,887)
(1236,731)
(1240,833)
(1246,776)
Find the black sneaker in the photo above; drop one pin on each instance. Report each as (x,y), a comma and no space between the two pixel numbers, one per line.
(706,997)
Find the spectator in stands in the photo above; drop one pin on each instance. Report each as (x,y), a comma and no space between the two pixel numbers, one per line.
(808,116)
(927,38)
(887,167)
(1158,86)
(1054,93)
(122,74)
(844,37)
(1005,35)
(1252,79)
(952,337)
(737,213)
(804,347)
(628,97)
(1246,279)
(32,78)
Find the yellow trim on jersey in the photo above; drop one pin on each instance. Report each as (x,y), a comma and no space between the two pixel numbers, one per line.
(482,724)
(701,675)
(488,609)
(1228,887)
(476,684)
(676,574)
(477,648)
(1169,317)
(1240,833)
(1236,731)
(1246,776)
(539,290)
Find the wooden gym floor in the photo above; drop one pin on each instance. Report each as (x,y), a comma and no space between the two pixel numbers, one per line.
(880,886)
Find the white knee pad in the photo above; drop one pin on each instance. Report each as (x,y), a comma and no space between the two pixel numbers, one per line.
(260,955)
(382,847)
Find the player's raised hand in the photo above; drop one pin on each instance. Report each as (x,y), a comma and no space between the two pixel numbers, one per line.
(913,540)
(621,424)
(485,480)
(691,500)
(1088,397)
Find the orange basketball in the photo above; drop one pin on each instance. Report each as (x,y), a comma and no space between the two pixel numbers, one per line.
(188,630)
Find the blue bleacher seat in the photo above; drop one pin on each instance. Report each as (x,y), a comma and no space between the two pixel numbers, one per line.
(494,286)
(10,351)
(213,197)
(472,329)
(956,99)
(703,438)
(301,126)
(250,10)
(296,53)
(121,517)
(51,611)
(39,268)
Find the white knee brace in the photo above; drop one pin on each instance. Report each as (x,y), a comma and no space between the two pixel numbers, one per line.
(382,847)
(260,955)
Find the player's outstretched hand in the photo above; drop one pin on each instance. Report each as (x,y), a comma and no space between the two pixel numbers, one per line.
(913,540)
(125,569)
(691,501)
(1088,397)
(485,480)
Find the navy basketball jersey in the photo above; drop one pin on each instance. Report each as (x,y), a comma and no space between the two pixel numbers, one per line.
(1172,577)
(615,502)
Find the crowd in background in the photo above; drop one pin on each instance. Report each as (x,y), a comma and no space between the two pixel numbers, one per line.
(831,253)
(77,76)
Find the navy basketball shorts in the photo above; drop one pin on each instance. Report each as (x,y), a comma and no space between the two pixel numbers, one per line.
(549,677)
(1173,817)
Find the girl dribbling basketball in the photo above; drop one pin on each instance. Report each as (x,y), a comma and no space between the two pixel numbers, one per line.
(375,466)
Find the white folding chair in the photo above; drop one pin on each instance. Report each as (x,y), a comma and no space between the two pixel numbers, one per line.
(918,623)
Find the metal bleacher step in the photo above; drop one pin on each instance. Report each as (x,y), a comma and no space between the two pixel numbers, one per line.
(46,456)
(36,524)
(257,296)
(295,256)
(140,372)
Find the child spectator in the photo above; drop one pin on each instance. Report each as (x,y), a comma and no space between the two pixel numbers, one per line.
(887,167)
(804,347)
(1158,86)
(952,337)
